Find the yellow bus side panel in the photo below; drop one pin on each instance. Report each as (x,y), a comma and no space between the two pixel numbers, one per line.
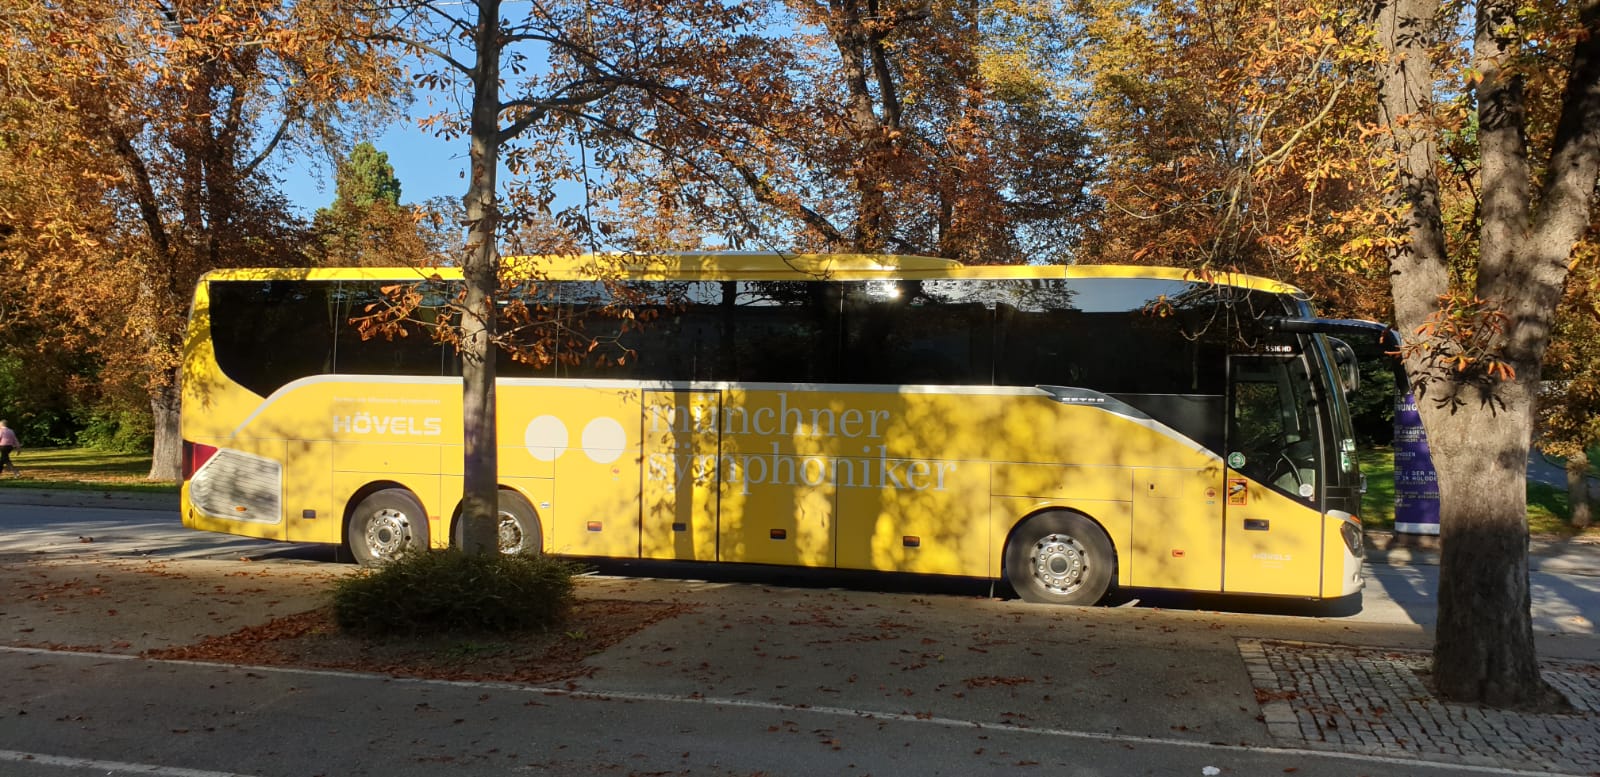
(937,525)
(1177,529)
(386,459)
(1005,512)
(777,524)
(592,437)
(1272,544)
(679,495)
(514,460)
(1046,481)
(308,490)
(779,473)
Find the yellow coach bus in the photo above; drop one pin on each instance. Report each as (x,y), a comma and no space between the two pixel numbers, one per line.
(1065,429)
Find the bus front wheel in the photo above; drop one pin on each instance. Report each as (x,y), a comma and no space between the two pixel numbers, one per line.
(1059,558)
(386,524)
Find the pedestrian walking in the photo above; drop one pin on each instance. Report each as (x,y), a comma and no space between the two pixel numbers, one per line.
(8,443)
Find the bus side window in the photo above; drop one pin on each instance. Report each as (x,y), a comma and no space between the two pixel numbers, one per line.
(251,321)
(784,331)
(916,332)
(417,352)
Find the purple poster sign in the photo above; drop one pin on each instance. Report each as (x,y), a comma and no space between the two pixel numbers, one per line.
(1416,485)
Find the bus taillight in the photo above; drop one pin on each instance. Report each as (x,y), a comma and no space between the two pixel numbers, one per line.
(195,456)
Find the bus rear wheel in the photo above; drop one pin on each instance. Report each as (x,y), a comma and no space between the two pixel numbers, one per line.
(1059,558)
(519,533)
(386,524)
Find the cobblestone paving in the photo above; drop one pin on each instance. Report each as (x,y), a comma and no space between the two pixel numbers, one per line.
(1369,700)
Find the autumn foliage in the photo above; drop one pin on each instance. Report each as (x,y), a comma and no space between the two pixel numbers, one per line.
(138,152)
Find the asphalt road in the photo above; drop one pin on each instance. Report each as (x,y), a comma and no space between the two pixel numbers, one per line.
(1185,706)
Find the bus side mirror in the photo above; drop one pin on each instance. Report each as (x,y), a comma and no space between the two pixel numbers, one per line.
(1349,366)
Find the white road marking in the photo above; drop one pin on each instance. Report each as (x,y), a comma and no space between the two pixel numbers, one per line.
(110,767)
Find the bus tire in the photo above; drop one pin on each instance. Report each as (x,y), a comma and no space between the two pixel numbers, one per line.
(1059,557)
(385,525)
(519,533)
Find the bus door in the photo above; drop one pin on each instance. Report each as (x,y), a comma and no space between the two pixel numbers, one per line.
(679,498)
(1272,529)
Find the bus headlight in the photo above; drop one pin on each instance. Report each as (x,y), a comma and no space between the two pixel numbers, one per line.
(1352,534)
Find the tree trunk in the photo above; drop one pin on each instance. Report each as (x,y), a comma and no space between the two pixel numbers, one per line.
(1483,643)
(1418,269)
(480,467)
(166,460)
(1478,417)
(1478,426)
(1578,491)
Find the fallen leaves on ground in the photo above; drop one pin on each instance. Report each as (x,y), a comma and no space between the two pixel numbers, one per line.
(313,640)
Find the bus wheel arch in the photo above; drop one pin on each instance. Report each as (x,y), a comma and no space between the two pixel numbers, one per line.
(1060,557)
(384,520)
(519,529)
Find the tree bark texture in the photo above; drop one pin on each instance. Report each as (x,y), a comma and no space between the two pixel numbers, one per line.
(479,528)
(1478,426)
(166,460)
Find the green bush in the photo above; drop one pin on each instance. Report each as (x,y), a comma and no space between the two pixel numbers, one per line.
(450,591)
(117,431)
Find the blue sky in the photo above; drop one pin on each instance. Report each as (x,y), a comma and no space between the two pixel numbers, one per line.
(426,166)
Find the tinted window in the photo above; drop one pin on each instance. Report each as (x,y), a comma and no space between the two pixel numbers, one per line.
(533,328)
(776,331)
(410,349)
(782,331)
(638,330)
(1116,336)
(268,333)
(920,332)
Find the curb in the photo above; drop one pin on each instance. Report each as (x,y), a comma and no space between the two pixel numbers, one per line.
(1562,557)
(110,499)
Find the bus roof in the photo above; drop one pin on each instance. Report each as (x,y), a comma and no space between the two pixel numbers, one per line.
(710,266)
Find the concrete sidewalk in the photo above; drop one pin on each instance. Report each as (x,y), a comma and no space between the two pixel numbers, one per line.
(1545,554)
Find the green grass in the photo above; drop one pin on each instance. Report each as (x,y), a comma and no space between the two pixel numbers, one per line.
(1377,505)
(1547,505)
(85,469)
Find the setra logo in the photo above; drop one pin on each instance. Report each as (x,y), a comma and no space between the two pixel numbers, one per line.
(367,423)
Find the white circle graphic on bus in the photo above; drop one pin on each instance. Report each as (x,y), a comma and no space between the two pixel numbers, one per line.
(603,440)
(546,438)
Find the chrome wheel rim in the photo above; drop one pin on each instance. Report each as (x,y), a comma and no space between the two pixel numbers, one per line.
(1060,563)
(511,536)
(388,532)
